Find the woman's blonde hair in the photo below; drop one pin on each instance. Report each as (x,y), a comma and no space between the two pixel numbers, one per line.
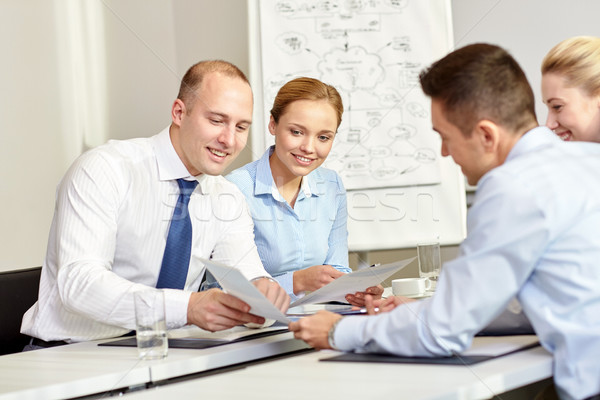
(576,59)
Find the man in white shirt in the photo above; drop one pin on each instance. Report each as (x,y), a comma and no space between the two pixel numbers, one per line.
(532,231)
(113,212)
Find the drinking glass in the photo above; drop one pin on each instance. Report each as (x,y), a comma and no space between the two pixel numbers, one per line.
(151,326)
(429,262)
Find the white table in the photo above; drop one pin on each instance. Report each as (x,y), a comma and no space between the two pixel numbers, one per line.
(187,361)
(303,376)
(86,368)
(69,371)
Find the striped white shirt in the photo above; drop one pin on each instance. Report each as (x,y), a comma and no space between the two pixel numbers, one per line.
(107,238)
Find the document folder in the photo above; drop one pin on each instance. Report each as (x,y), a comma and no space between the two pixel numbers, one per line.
(486,349)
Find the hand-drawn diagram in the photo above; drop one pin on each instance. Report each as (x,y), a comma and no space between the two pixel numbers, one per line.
(372,51)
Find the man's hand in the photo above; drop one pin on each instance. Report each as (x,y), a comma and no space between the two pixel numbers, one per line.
(215,310)
(314,329)
(358,298)
(313,278)
(274,293)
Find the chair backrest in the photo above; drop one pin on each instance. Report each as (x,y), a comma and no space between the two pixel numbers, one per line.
(18,292)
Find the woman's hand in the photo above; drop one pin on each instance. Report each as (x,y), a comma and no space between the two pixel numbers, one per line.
(358,299)
(312,278)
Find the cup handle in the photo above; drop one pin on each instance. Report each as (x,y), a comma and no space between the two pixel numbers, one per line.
(427,284)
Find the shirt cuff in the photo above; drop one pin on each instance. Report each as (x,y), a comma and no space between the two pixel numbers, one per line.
(286,281)
(176,306)
(341,268)
(347,334)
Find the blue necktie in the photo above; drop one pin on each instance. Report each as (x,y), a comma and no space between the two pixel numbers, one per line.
(176,260)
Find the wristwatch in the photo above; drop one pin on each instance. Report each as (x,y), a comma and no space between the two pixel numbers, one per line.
(331,333)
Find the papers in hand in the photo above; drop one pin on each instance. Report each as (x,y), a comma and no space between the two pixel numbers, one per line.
(353,282)
(234,283)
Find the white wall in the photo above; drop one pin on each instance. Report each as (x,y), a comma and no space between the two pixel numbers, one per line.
(32,155)
(148,45)
(528,29)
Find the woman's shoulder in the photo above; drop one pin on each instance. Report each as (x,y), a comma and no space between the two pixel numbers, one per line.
(243,177)
(329,176)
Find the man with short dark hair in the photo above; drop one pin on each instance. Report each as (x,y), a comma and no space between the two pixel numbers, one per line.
(532,231)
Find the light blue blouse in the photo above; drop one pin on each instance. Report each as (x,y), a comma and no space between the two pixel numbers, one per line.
(533,233)
(314,232)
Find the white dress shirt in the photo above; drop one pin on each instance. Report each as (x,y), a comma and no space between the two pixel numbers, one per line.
(533,233)
(108,235)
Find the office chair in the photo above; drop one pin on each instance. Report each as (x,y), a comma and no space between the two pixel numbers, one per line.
(18,292)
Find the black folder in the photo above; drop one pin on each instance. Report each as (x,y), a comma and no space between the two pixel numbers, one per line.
(190,343)
(453,360)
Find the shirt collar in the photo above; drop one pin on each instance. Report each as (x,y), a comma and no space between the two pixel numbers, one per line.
(266,185)
(170,166)
(533,140)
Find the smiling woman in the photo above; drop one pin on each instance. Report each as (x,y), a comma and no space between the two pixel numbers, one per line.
(303,138)
(571,88)
(298,207)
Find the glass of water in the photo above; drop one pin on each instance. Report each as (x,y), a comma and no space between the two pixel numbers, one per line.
(429,262)
(151,326)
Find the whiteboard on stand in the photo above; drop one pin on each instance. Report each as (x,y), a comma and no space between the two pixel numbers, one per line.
(400,190)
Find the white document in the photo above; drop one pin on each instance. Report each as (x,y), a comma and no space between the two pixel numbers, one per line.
(236,284)
(310,309)
(353,282)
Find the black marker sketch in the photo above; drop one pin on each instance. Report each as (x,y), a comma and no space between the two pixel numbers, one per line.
(372,51)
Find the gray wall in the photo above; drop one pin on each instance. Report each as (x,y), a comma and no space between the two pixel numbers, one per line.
(144,46)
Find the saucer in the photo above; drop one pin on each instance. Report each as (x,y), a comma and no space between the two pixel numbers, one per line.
(387,292)
(420,295)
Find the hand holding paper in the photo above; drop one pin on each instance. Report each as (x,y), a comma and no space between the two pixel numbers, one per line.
(215,310)
(234,283)
(356,281)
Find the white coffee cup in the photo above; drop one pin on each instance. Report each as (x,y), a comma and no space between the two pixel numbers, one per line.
(410,286)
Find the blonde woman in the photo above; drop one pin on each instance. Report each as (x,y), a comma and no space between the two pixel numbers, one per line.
(571,88)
